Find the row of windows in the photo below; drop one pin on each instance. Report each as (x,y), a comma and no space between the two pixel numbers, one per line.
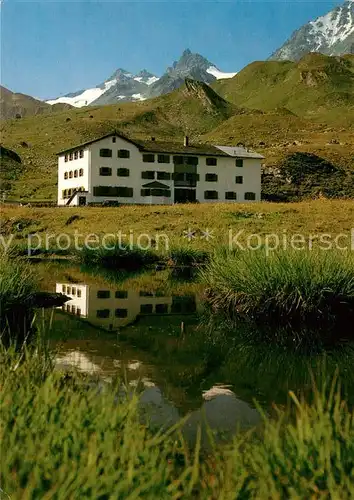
(121,153)
(66,193)
(71,290)
(74,155)
(74,173)
(123,313)
(127,192)
(164,158)
(229,195)
(165,176)
(123,294)
(72,309)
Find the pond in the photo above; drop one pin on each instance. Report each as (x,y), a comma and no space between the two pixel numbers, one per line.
(154,333)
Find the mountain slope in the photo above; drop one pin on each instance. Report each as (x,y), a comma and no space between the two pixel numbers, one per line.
(317,86)
(331,34)
(195,109)
(14,105)
(123,86)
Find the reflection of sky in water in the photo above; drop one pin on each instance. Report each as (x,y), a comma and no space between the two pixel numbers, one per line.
(220,409)
(111,307)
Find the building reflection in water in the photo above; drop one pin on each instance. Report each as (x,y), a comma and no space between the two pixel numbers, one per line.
(111,308)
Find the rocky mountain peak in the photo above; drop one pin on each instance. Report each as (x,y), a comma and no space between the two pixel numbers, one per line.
(331,34)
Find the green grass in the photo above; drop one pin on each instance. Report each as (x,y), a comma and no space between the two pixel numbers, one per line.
(17,282)
(187,256)
(117,257)
(285,286)
(63,438)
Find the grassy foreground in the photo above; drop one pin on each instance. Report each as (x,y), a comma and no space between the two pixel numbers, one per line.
(48,228)
(292,286)
(63,438)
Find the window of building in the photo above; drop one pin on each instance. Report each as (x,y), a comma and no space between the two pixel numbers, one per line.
(114,139)
(68,308)
(113,191)
(81,172)
(230,195)
(148,174)
(68,290)
(105,171)
(70,156)
(63,288)
(148,158)
(123,153)
(64,195)
(79,293)
(144,293)
(146,308)
(106,153)
(211,195)
(239,162)
(103,294)
(70,174)
(123,172)
(156,192)
(73,309)
(178,160)
(250,196)
(65,175)
(78,311)
(211,177)
(161,308)
(76,155)
(76,173)
(211,162)
(121,294)
(102,313)
(163,176)
(73,290)
(163,158)
(239,179)
(66,157)
(121,313)
(191,160)
(81,153)
(70,192)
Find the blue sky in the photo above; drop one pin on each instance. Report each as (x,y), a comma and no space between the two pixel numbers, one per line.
(52,48)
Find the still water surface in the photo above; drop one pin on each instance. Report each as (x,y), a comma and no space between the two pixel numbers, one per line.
(149,331)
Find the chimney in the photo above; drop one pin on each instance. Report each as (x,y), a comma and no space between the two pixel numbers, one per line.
(186,141)
(153,139)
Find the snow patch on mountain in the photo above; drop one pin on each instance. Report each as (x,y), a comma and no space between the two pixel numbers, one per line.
(212,70)
(335,26)
(149,81)
(86,97)
(138,97)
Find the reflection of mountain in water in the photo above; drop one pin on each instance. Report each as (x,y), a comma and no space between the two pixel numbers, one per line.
(111,308)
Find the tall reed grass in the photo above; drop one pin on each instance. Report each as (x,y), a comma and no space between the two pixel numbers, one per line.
(292,286)
(62,437)
(117,257)
(17,282)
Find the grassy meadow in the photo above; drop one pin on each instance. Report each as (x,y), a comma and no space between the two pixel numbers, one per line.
(66,438)
(284,219)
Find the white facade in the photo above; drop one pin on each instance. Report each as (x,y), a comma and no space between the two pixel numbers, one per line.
(111,307)
(86,175)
